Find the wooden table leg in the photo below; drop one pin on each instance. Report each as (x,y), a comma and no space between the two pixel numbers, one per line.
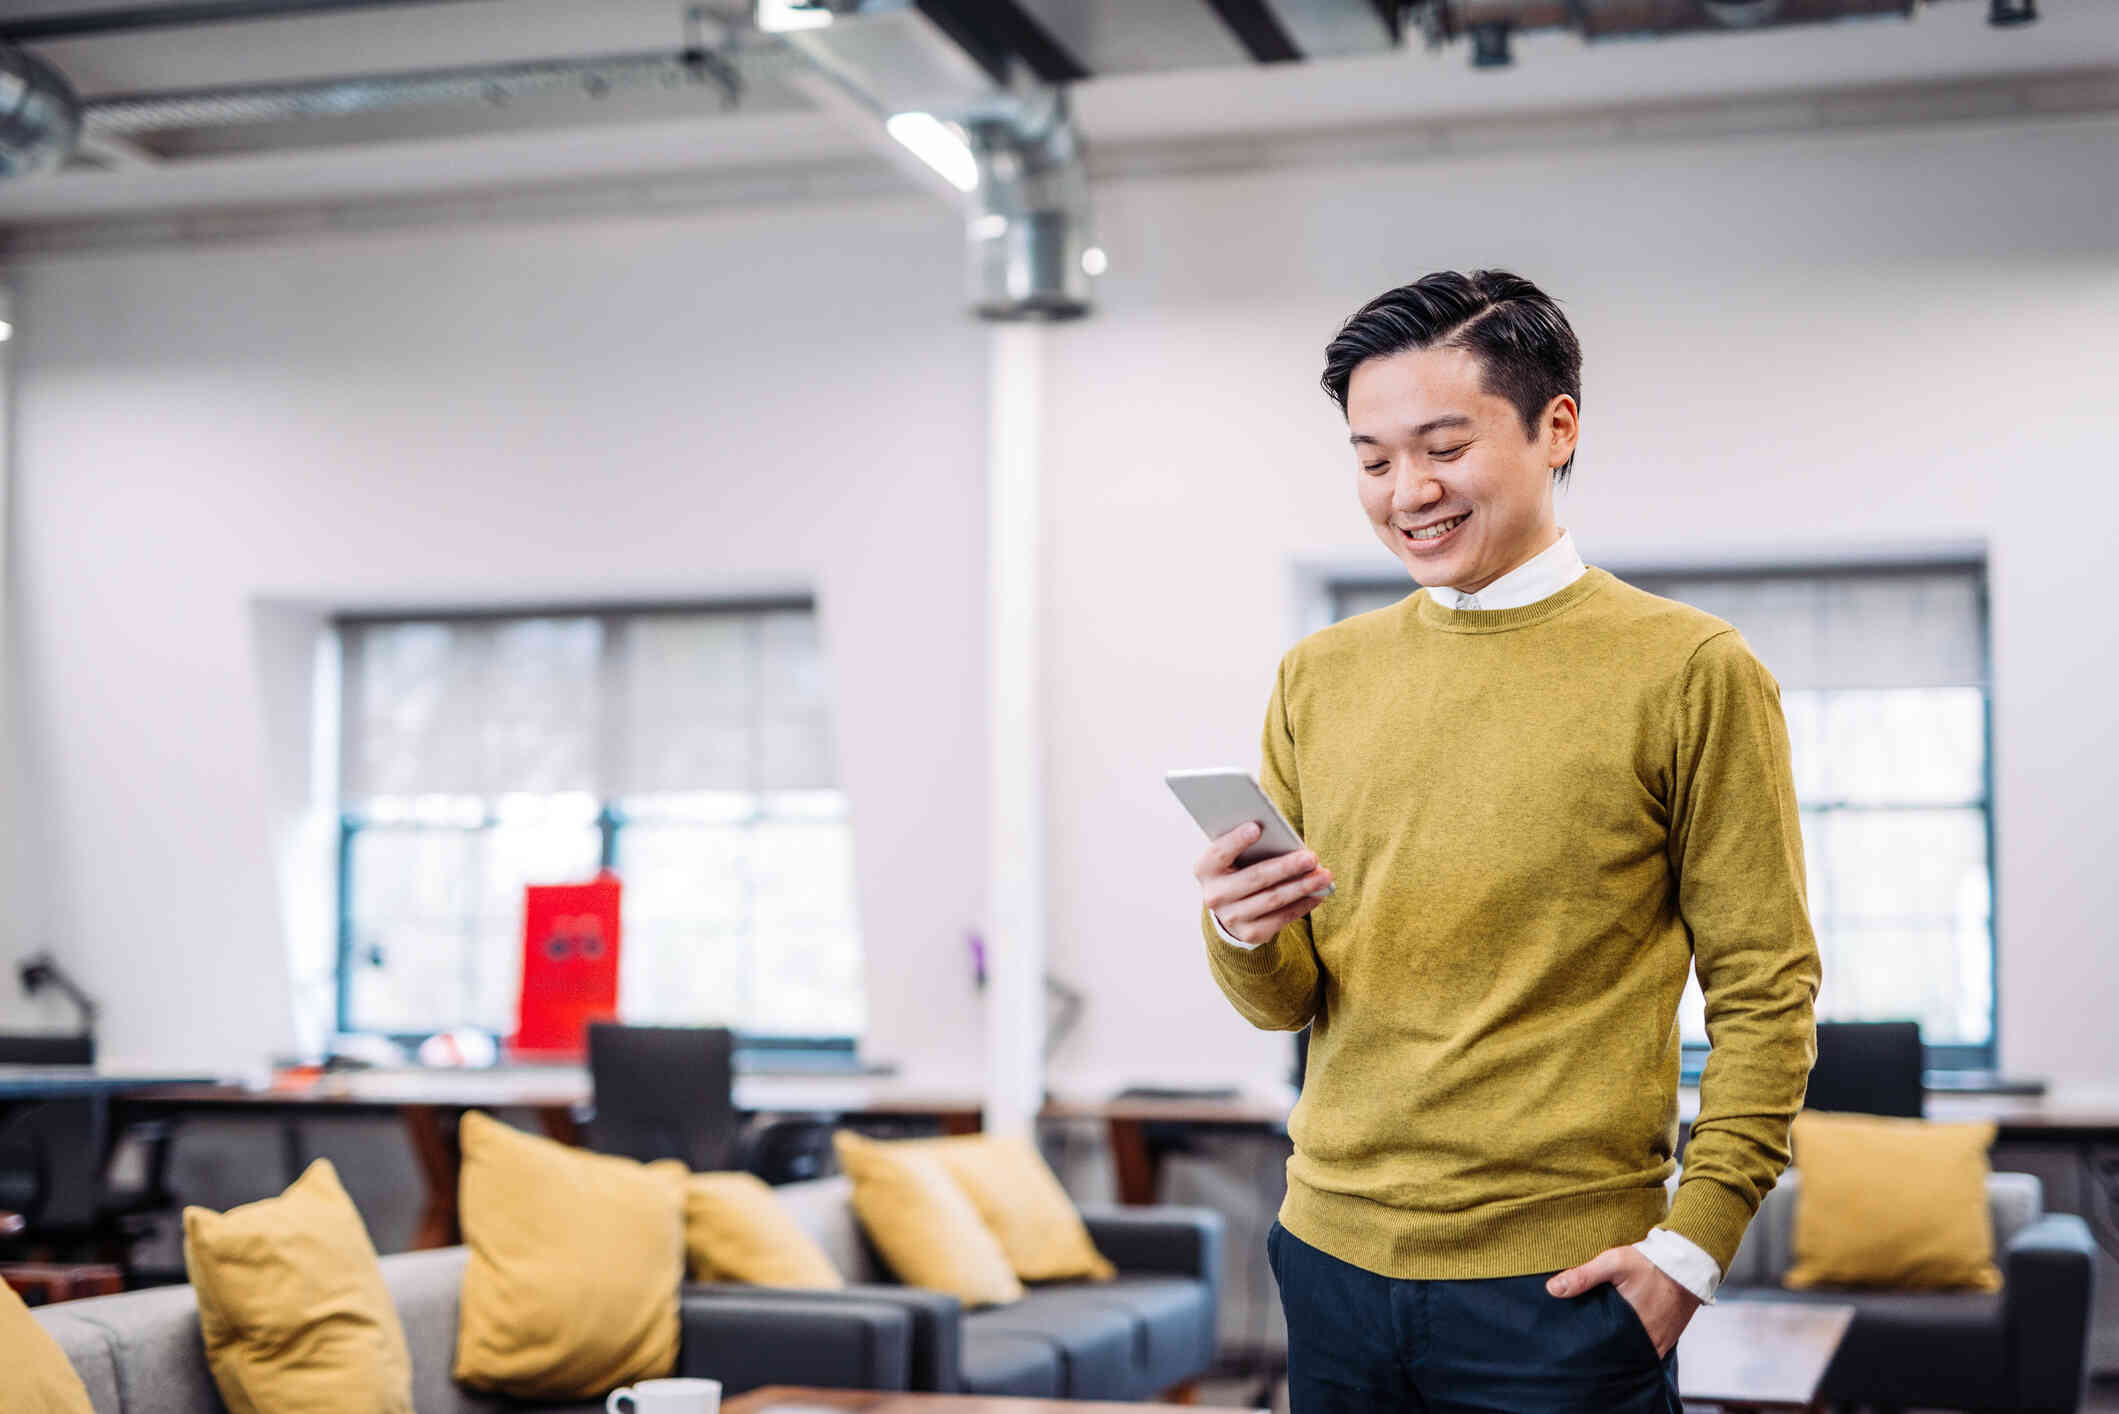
(559,1123)
(439,1163)
(1137,1175)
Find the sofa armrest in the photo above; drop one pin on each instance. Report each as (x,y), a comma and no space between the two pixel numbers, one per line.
(2046,1275)
(744,1342)
(935,1356)
(1164,1238)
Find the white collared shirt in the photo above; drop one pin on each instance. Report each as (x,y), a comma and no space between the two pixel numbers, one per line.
(1547,572)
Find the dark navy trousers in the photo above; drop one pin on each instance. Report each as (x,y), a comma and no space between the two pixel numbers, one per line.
(1362,1343)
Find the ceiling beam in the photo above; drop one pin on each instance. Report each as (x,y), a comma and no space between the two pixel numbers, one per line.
(987,28)
(1259,30)
(86,23)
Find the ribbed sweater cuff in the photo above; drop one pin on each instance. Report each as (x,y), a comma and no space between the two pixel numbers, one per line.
(1259,960)
(1712,1215)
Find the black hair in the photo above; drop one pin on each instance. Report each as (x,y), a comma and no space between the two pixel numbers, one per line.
(1527,351)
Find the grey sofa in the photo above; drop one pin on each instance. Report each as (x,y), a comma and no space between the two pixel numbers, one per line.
(141,1353)
(1130,1338)
(2022,1348)
(1151,1327)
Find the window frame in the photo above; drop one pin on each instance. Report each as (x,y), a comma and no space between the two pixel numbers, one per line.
(840,1051)
(1945,1062)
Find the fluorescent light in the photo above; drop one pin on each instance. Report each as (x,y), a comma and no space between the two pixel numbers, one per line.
(780,16)
(937,144)
(7,331)
(1094,261)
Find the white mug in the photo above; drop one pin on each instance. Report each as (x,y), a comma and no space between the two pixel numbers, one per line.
(666,1397)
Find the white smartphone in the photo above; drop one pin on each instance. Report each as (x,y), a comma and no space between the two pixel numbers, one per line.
(1220,798)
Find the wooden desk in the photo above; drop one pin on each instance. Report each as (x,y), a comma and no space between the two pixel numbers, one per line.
(2081,1113)
(429,1102)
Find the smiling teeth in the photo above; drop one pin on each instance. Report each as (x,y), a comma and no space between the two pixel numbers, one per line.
(1438,530)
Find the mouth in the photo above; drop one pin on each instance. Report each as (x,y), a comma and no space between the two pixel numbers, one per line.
(1427,544)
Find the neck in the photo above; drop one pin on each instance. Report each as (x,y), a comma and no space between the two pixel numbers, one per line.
(1539,543)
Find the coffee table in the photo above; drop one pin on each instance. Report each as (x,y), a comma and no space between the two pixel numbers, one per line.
(799,1399)
(1745,1355)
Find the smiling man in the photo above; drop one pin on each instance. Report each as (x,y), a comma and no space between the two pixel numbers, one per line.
(1544,795)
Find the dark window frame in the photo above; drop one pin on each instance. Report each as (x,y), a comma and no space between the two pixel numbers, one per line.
(611,818)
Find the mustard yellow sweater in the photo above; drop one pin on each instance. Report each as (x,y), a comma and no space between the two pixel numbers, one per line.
(1536,818)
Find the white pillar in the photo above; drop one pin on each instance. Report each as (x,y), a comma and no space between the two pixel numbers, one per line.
(1015,935)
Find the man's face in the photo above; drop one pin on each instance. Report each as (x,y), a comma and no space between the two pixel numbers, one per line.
(1431,446)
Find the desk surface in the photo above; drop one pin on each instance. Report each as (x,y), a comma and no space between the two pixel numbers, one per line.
(38,1082)
(566,1086)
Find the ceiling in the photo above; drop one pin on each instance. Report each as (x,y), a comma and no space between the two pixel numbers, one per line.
(1141,73)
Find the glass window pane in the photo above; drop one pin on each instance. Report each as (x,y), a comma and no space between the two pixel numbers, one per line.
(1902,747)
(1899,864)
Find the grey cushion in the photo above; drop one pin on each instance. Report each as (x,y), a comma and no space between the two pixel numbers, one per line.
(2014,1200)
(1096,1343)
(158,1356)
(87,1348)
(824,1209)
(1168,1315)
(999,1362)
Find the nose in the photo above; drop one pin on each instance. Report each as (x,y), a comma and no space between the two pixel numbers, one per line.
(1416,487)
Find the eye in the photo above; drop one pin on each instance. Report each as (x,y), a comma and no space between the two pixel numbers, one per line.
(1451,453)
(1375,466)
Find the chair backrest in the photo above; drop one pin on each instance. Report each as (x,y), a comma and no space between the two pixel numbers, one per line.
(1767,1251)
(664,1092)
(30,1048)
(1868,1067)
(52,1155)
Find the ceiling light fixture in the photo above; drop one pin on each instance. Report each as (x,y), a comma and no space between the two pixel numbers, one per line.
(786,16)
(938,144)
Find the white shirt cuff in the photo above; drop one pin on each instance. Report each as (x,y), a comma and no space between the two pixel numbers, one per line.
(1230,938)
(1683,1261)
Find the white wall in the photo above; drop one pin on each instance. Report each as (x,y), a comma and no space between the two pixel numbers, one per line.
(662,407)
(1793,345)
(1790,346)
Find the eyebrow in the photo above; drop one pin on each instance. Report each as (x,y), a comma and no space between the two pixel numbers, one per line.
(1455,419)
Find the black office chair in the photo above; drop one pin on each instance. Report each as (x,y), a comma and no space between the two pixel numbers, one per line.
(1868,1067)
(26,1048)
(664,1092)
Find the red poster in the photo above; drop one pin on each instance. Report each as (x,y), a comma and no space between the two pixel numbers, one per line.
(569,964)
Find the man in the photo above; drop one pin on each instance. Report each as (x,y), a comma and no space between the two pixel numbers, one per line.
(1545,795)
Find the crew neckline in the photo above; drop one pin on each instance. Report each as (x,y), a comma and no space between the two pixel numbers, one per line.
(1428,611)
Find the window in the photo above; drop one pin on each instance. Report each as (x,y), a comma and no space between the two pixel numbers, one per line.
(691,750)
(1884,684)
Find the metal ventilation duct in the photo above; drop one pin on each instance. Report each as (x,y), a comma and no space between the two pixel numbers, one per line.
(40,119)
(492,83)
(1029,232)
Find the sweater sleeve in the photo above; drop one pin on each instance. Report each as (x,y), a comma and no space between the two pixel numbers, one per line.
(1273,985)
(1736,851)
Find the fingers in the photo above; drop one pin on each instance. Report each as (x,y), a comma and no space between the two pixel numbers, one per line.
(1264,914)
(1227,847)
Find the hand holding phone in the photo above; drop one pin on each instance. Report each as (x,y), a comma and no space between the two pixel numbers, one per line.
(1256,875)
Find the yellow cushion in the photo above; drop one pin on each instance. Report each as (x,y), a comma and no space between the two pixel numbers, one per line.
(292,1304)
(1021,1202)
(39,1380)
(1889,1201)
(571,1285)
(736,1229)
(928,1231)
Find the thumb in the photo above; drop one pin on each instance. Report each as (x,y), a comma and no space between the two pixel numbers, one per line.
(1600,1268)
